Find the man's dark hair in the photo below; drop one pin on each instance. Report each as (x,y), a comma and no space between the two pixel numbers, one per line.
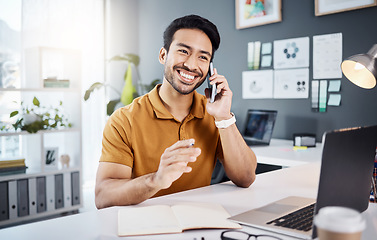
(192,22)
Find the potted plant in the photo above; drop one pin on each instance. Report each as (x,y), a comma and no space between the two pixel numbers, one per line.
(129,91)
(35,118)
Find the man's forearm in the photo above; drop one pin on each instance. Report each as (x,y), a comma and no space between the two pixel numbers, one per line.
(120,192)
(239,160)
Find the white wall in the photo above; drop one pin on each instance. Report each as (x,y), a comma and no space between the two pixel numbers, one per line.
(122,30)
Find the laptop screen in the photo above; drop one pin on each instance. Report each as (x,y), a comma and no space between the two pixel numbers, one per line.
(259,125)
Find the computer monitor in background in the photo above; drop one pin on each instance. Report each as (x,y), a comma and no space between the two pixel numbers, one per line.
(259,126)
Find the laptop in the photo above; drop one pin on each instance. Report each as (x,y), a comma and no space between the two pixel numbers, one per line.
(259,126)
(345,180)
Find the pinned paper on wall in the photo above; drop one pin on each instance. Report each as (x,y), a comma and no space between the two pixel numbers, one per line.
(267,48)
(250,55)
(322,95)
(291,53)
(257,84)
(327,56)
(334,86)
(291,83)
(266,58)
(266,61)
(253,55)
(315,95)
(257,46)
(334,99)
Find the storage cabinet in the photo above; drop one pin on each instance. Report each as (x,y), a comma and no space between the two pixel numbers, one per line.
(44,189)
(27,197)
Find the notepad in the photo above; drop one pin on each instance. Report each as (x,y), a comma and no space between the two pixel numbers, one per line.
(162,219)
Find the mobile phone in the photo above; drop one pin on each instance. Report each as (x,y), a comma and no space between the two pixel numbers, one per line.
(213,88)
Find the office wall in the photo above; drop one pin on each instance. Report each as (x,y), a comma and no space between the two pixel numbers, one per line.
(122,36)
(359,106)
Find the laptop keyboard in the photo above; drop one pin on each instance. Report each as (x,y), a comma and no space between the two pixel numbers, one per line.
(301,219)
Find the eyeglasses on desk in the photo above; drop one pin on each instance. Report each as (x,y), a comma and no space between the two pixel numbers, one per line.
(240,235)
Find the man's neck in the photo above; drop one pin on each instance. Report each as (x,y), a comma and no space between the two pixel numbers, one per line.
(177,104)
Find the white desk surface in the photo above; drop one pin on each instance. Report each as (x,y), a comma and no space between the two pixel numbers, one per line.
(102,225)
(280,152)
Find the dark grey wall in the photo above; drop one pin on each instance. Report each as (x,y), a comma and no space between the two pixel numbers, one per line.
(359,106)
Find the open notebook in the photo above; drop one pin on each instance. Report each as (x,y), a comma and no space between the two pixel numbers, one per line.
(162,219)
(345,180)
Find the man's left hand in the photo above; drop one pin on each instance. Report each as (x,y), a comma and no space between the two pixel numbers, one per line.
(220,108)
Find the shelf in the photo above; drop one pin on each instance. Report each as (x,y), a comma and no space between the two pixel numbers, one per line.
(39,90)
(31,173)
(57,212)
(38,195)
(39,132)
(42,150)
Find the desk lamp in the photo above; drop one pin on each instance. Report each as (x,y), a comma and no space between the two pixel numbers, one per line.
(361,69)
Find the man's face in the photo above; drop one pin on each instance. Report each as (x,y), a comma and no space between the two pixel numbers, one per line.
(187,62)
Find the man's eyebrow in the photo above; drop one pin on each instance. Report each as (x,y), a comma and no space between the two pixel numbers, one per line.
(190,48)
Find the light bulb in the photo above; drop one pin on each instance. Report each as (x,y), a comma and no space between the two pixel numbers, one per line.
(359,66)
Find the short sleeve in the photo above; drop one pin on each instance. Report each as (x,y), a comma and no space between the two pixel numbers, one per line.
(116,146)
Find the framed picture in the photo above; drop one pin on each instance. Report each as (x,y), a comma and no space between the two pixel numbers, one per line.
(51,158)
(324,7)
(251,13)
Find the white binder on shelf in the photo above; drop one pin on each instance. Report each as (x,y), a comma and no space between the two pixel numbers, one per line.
(12,194)
(32,196)
(50,192)
(67,190)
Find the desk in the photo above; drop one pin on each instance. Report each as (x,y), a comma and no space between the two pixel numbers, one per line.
(280,153)
(268,187)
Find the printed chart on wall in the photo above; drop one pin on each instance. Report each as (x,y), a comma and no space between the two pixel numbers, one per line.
(291,83)
(291,53)
(327,58)
(291,62)
(257,84)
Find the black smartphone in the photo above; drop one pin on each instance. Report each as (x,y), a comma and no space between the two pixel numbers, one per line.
(213,89)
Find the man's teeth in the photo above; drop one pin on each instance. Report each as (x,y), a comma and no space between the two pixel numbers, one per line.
(186,76)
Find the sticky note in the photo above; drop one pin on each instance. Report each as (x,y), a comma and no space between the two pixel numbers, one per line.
(334,99)
(334,86)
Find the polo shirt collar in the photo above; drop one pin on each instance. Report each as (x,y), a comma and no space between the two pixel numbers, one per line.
(197,110)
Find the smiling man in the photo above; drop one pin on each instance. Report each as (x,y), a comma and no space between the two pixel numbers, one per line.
(169,139)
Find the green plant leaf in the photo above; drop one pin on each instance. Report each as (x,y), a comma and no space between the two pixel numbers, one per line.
(14,113)
(128,89)
(36,102)
(48,117)
(111,106)
(96,85)
(129,57)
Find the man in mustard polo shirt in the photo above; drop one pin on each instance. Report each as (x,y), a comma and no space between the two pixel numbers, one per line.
(169,139)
